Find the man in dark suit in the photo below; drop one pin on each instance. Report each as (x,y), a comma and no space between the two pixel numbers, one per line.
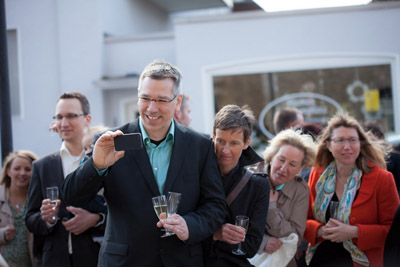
(66,240)
(231,135)
(173,158)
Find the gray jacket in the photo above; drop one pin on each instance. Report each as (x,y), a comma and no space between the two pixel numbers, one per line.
(289,214)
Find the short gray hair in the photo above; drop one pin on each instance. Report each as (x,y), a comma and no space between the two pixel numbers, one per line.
(160,70)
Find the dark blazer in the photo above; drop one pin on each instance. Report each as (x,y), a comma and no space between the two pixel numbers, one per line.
(391,255)
(252,201)
(47,172)
(132,237)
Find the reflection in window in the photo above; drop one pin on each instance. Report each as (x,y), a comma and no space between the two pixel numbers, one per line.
(363,91)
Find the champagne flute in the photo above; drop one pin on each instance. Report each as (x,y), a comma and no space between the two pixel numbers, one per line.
(173,203)
(52,194)
(334,209)
(242,221)
(160,206)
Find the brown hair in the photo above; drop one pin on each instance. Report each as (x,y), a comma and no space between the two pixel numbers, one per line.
(285,117)
(370,150)
(235,117)
(26,154)
(82,99)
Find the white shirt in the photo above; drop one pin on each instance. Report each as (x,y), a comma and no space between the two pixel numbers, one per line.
(69,162)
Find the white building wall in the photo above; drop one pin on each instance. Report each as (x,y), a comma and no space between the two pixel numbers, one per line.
(204,43)
(36,23)
(61,48)
(129,17)
(130,55)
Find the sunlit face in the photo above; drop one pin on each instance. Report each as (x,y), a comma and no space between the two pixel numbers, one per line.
(71,130)
(87,142)
(347,151)
(156,116)
(229,146)
(286,164)
(20,172)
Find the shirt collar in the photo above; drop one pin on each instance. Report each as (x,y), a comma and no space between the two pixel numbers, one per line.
(279,187)
(64,152)
(146,138)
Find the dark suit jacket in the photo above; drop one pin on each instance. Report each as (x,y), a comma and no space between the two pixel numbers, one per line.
(391,256)
(54,241)
(132,237)
(252,201)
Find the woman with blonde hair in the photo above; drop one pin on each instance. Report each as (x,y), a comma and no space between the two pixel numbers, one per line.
(16,242)
(352,198)
(284,158)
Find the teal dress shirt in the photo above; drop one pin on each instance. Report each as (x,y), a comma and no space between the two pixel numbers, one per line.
(159,155)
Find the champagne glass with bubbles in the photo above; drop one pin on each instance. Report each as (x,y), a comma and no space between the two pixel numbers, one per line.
(242,221)
(160,206)
(52,194)
(173,203)
(334,209)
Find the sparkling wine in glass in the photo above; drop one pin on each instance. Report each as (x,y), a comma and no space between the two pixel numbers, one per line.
(242,221)
(160,206)
(334,209)
(52,194)
(173,203)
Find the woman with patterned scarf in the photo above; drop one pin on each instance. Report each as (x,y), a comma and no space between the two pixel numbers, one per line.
(352,198)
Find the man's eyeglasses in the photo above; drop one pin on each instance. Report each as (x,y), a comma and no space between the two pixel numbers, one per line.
(69,116)
(342,141)
(161,101)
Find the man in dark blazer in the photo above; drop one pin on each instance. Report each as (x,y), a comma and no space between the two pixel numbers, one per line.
(66,241)
(173,158)
(231,135)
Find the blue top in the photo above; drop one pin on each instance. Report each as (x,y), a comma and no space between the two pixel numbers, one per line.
(159,155)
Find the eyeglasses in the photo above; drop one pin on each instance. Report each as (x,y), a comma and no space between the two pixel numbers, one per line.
(162,101)
(69,116)
(341,140)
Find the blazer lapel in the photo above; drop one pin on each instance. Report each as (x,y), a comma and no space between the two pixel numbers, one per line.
(368,184)
(54,174)
(142,159)
(178,155)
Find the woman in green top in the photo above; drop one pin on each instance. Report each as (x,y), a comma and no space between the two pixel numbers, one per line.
(15,239)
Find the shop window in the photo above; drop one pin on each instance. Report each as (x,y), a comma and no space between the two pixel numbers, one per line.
(365,92)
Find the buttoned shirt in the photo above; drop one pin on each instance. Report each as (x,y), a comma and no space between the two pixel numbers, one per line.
(160,154)
(69,162)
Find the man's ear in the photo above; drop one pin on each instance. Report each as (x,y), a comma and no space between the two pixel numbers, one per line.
(178,102)
(246,145)
(88,119)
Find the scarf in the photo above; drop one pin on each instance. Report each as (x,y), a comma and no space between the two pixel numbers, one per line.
(325,188)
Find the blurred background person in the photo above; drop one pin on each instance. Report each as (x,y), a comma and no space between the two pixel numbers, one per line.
(16,242)
(231,136)
(89,134)
(66,231)
(353,198)
(182,115)
(391,256)
(287,154)
(286,118)
(393,158)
